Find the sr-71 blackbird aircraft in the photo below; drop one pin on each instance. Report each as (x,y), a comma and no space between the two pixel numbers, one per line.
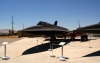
(95,28)
(82,31)
(43,28)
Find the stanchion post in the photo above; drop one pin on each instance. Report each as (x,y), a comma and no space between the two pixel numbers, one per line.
(90,45)
(37,44)
(62,58)
(52,55)
(5,57)
(90,40)
(50,47)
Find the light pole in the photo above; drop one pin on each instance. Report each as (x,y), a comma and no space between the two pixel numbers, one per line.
(5,57)
(12,26)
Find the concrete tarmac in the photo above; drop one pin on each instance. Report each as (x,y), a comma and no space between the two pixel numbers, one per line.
(75,52)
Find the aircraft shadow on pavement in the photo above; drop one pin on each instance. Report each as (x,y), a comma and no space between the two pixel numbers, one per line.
(39,48)
(96,53)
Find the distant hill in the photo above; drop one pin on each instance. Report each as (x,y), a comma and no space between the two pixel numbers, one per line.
(3,31)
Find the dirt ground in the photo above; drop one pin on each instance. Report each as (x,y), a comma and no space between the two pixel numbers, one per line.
(8,39)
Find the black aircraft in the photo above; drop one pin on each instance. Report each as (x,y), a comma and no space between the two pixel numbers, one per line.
(95,28)
(44,28)
(91,29)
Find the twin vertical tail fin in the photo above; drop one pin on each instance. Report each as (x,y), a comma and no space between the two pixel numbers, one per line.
(55,23)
